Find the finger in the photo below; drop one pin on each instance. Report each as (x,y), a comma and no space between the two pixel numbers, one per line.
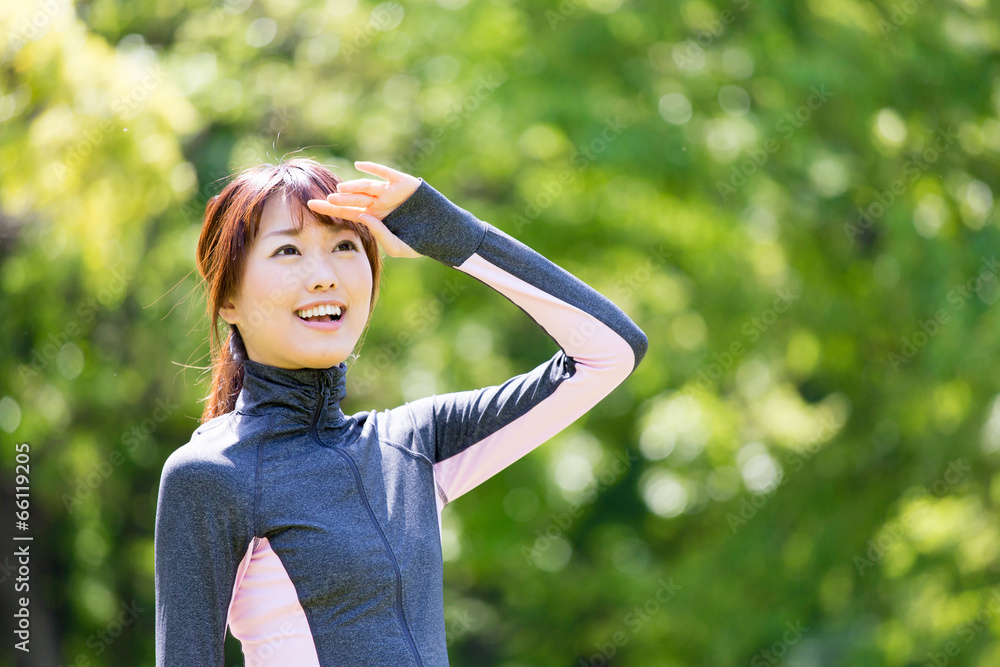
(345,199)
(386,239)
(388,173)
(393,246)
(334,211)
(366,185)
(379,231)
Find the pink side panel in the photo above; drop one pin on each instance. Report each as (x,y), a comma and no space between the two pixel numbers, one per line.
(265,613)
(439,501)
(603,361)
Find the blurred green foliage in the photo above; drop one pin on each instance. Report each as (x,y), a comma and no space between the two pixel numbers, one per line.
(793,199)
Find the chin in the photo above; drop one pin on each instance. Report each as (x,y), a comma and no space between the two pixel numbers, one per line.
(325,360)
(316,354)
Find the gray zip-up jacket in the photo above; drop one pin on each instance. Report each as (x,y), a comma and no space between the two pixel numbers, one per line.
(314,535)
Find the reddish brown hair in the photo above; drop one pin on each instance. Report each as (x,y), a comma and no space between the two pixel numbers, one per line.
(228,232)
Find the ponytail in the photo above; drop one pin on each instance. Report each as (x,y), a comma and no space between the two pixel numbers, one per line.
(227,380)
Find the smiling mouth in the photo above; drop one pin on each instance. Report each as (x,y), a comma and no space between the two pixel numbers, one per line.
(321,318)
(321,313)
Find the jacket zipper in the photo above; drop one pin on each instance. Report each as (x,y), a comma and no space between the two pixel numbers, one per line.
(321,409)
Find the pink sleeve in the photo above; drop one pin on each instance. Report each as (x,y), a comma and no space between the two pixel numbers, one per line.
(469,436)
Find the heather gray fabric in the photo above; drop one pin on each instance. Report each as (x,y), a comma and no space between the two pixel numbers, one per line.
(346,502)
(433,226)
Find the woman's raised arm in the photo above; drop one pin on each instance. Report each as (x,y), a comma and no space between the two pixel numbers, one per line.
(469,436)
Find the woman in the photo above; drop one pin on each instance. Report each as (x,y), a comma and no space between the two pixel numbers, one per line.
(314,535)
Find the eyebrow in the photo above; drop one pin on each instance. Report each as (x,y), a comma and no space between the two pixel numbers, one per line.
(291,231)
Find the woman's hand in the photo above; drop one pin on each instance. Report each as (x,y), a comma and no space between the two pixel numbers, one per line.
(369,201)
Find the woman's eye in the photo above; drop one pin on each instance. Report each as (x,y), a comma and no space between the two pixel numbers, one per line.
(351,245)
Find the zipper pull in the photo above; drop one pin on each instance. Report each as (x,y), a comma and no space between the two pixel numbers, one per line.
(319,417)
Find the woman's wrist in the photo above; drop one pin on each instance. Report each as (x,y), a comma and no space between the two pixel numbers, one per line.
(435,227)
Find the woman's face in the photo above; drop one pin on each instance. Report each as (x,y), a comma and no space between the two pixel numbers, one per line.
(285,273)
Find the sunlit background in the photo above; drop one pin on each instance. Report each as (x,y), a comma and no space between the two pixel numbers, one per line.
(794,200)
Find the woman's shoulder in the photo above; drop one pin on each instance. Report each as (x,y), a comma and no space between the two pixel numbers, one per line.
(210,453)
(213,428)
(215,434)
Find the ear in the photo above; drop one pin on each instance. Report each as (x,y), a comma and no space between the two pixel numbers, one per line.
(228,312)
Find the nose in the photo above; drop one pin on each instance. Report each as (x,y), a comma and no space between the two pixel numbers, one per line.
(321,275)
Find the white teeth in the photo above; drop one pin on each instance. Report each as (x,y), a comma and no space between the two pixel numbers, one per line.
(319,310)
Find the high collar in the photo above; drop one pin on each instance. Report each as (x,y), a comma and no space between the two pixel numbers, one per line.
(308,395)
